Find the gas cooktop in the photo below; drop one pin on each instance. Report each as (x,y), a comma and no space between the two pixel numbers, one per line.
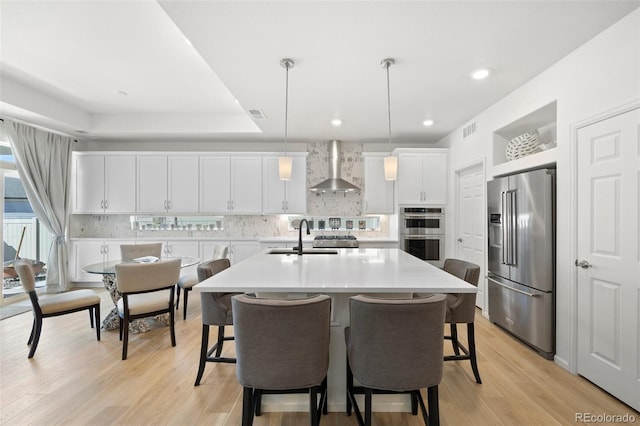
(335,241)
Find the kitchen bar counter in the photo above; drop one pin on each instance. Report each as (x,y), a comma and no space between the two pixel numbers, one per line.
(379,272)
(350,271)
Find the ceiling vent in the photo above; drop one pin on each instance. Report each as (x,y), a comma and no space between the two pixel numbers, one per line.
(257,114)
(469,130)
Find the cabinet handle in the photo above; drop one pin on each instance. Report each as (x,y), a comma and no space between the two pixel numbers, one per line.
(168,204)
(232,202)
(228,205)
(106,204)
(101,204)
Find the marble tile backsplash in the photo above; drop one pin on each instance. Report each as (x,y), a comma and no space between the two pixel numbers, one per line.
(235,227)
(351,167)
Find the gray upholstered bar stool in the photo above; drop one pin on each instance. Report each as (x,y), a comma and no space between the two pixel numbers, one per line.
(216,311)
(282,346)
(133,251)
(461,309)
(414,328)
(55,305)
(186,282)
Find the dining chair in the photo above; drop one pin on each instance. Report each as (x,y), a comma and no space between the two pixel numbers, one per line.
(216,311)
(147,290)
(186,281)
(282,346)
(130,252)
(414,329)
(461,309)
(55,304)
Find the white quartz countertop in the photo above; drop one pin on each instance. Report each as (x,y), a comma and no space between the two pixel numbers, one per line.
(357,270)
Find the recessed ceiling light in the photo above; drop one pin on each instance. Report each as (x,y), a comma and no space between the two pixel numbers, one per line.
(480,74)
(427,123)
(336,122)
(121,93)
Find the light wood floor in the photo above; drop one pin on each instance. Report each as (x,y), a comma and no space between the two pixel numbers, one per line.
(74,380)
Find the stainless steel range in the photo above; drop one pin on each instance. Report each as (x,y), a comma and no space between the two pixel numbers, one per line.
(335,241)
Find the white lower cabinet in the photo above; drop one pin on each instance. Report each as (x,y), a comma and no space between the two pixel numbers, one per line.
(207,249)
(87,252)
(240,250)
(178,248)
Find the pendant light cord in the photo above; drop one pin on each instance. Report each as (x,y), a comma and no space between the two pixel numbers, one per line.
(286,107)
(388,64)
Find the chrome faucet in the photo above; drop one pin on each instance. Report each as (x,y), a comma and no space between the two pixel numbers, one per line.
(299,248)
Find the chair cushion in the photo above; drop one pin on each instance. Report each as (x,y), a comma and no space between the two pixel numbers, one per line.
(145,302)
(51,304)
(187,281)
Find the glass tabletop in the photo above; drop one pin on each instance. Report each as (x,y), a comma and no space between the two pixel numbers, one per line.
(108,268)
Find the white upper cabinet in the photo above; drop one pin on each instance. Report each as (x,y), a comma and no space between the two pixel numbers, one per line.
(231,184)
(378,192)
(284,196)
(422,176)
(104,183)
(167,184)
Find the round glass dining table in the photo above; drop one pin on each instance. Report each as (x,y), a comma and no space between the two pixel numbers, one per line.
(108,272)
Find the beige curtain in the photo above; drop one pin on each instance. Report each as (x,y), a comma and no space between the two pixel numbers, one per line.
(43,161)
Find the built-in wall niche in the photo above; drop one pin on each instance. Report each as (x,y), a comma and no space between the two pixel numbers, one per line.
(544,120)
(337,223)
(177,223)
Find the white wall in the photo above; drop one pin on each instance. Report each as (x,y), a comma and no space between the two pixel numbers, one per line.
(599,76)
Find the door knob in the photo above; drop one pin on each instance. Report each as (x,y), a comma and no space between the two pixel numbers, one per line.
(459,240)
(583,264)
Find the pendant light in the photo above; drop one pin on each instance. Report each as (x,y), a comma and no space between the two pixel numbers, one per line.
(285,163)
(391,161)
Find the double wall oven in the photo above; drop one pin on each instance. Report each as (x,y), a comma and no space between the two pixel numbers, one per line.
(422,233)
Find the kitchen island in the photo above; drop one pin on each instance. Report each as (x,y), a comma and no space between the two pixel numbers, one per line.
(378,272)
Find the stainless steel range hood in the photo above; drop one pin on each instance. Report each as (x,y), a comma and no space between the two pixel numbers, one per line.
(334,183)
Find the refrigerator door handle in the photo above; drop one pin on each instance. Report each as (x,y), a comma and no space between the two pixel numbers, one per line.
(513,254)
(514,289)
(505,229)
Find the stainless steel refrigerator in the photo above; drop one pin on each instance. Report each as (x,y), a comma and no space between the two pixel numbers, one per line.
(521,269)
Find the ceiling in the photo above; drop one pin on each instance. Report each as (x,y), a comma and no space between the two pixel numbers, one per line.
(191,70)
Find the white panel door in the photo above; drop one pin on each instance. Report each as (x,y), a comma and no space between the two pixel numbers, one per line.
(410,189)
(183,178)
(297,187)
(435,167)
(471,220)
(246,184)
(378,192)
(86,253)
(120,183)
(152,184)
(274,195)
(240,250)
(608,287)
(88,196)
(215,184)
(184,248)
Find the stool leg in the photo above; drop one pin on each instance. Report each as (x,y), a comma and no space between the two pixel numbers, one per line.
(434,411)
(203,353)
(367,406)
(472,351)
(247,406)
(454,338)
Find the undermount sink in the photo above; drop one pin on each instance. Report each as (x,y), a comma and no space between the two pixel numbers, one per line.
(304,251)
